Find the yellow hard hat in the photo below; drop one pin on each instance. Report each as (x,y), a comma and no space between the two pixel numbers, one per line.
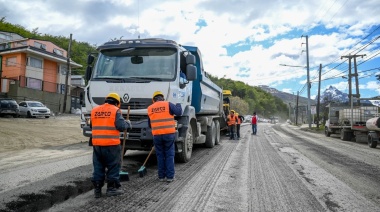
(233,111)
(157,93)
(237,114)
(114,96)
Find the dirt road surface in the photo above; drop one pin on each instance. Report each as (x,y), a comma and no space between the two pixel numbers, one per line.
(280,169)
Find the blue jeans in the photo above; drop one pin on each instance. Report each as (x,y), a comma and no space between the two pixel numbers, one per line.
(254,129)
(238,130)
(232,131)
(106,162)
(164,146)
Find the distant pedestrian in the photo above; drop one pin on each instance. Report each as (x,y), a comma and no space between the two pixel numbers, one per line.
(161,120)
(107,123)
(232,121)
(254,123)
(240,120)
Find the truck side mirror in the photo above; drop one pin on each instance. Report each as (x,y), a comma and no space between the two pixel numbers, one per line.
(88,73)
(90,59)
(190,59)
(191,72)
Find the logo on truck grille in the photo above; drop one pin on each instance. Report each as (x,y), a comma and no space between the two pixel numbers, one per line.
(126,98)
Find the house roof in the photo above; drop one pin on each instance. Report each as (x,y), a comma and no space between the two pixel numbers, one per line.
(40,52)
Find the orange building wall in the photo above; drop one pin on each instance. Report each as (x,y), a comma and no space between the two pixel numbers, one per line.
(50,76)
(16,70)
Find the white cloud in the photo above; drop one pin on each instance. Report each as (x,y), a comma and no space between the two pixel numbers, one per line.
(268,32)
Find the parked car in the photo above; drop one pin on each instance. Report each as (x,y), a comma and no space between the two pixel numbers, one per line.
(248,118)
(9,106)
(33,109)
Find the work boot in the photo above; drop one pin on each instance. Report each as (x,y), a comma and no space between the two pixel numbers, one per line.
(98,189)
(113,189)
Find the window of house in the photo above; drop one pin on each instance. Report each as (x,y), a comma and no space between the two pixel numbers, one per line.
(62,69)
(6,37)
(34,83)
(21,43)
(58,52)
(11,61)
(39,45)
(34,62)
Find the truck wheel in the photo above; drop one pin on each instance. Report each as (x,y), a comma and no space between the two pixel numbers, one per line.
(187,146)
(372,142)
(345,136)
(327,133)
(210,136)
(217,132)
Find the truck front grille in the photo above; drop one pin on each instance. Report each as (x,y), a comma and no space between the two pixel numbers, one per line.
(134,103)
(137,103)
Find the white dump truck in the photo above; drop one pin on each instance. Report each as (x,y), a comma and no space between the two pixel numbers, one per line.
(135,69)
(352,121)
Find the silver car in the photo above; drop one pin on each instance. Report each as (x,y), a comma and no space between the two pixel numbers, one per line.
(33,109)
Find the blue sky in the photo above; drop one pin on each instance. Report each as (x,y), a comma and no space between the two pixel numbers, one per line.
(243,40)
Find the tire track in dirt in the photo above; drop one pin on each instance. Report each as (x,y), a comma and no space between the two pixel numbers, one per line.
(273,184)
(148,194)
(337,180)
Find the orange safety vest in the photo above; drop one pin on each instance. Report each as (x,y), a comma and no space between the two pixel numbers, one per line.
(232,120)
(104,132)
(161,121)
(239,120)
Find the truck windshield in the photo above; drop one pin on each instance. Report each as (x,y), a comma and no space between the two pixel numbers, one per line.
(153,64)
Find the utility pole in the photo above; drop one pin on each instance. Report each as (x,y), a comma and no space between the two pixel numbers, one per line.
(1,72)
(297,108)
(319,94)
(350,95)
(308,80)
(67,74)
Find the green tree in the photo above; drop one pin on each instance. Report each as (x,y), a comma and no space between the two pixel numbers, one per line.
(239,105)
(79,50)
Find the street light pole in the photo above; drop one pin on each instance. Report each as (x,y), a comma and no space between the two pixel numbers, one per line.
(308,80)
(308,87)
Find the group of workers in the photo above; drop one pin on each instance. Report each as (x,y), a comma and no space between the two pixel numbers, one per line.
(234,121)
(107,122)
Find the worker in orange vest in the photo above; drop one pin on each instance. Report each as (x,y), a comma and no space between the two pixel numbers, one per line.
(232,121)
(161,120)
(107,122)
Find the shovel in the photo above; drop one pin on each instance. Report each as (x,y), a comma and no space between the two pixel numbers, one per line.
(124,176)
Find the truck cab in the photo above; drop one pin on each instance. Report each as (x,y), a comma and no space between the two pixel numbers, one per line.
(135,69)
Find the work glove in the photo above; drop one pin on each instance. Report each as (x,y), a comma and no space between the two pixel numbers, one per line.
(129,123)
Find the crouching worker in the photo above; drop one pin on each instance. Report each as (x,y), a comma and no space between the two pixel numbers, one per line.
(161,120)
(107,122)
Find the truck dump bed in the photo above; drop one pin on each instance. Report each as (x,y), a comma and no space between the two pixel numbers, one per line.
(206,96)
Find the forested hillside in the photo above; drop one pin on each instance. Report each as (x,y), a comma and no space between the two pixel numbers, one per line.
(257,99)
(79,50)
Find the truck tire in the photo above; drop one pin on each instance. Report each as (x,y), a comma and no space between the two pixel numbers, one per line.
(210,136)
(327,133)
(187,146)
(217,132)
(372,142)
(345,135)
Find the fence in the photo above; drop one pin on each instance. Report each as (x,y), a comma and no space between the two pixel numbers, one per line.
(48,93)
